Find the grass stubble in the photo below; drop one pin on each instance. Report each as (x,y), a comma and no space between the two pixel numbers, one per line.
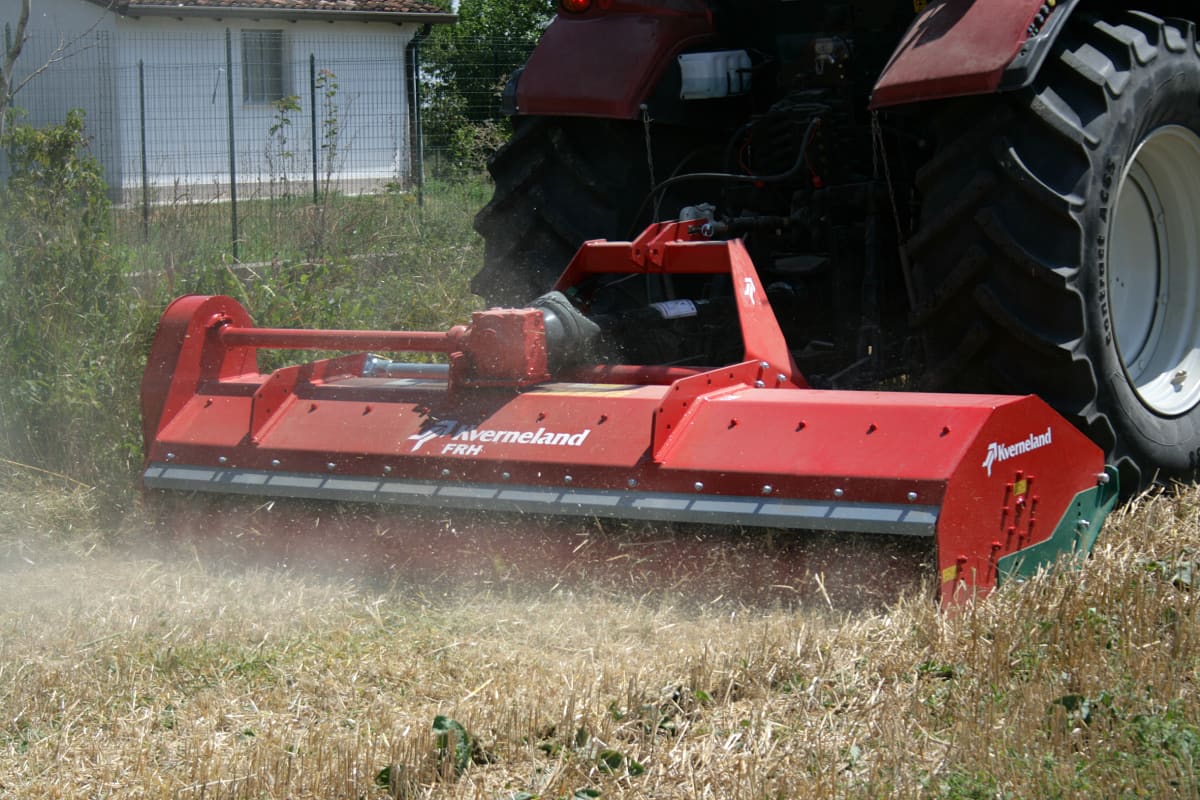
(127,675)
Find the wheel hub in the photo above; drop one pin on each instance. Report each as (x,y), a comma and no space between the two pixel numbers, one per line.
(1154,270)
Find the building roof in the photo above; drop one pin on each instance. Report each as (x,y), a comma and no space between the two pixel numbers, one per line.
(418,11)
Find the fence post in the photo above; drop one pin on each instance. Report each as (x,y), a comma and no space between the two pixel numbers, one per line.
(232,153)
(312,103)
(145,172)
(418,143)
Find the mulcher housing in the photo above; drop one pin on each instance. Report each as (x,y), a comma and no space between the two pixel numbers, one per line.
(1002,484)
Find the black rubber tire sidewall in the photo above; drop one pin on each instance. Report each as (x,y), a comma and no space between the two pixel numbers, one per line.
(1009,264)
(1164,92)
(559,182)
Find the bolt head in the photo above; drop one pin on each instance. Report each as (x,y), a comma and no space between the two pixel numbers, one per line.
(768,489)
(275,462)
(631,483)
(331,466)
(222,460)
(445,473)
(912,497)
(568,479)
(505,476)
(698,486)
(839,492)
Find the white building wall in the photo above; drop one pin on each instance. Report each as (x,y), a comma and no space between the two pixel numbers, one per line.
(185,121)
(187,109)
(70,48)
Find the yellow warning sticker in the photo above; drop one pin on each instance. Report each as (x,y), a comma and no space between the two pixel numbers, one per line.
(1020,487)
(919,5)
(950,573)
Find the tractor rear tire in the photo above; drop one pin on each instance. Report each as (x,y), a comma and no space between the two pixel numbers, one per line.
(559,182)
(1059,249)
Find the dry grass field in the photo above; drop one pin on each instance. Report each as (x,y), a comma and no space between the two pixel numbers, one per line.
(131,671)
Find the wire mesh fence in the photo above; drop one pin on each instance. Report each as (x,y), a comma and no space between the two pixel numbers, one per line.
(258,127)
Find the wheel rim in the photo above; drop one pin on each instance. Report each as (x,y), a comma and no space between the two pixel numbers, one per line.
(1154,270)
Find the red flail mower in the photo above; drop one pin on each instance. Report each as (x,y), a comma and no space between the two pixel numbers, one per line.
(527,415)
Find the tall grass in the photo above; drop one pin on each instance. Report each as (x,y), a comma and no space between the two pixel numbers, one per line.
(82,287)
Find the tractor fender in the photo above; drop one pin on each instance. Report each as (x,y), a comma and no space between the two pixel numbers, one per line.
(606,63)
(963,47)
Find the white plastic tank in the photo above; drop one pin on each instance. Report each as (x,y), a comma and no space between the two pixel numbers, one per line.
(717,74)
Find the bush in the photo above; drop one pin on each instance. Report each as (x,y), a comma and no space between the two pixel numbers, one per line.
(76,318)
(465,68)
(73,331)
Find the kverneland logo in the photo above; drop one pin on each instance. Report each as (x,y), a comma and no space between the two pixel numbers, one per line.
(1003,452)
(468,440)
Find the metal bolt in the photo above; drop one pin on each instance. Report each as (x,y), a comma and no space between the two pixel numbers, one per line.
(1083,525)
(331,466)
(1179,378)
(387,470)
(698,486)
(838,492)
(764,365)
(768,489)
(568,479)
(222,460)
(781,378)
(505,476)
(631,483)
(275,462)
(445,473)
(760,385)
(1101,479)
(170,456)
(912,497)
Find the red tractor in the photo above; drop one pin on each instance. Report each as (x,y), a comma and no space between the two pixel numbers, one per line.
(998,196)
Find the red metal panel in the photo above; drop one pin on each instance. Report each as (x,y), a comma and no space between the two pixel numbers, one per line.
(181,357)
(366,424)
(761,336)
(1013,485)
(874,446)
(953,48)
(664,247)
(605,64)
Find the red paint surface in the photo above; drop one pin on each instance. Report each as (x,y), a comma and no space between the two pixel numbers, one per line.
(954,48)
(605,63)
